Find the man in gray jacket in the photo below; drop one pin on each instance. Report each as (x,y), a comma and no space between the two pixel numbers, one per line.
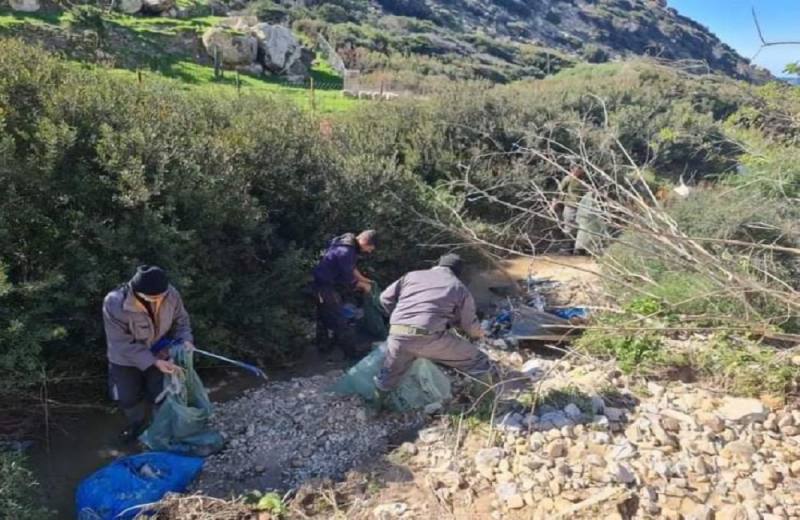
(137,316)
(423,305)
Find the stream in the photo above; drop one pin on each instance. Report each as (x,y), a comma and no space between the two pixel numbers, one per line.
(78,443)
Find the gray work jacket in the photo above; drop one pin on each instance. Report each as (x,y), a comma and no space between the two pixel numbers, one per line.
(130,330)
(434,299)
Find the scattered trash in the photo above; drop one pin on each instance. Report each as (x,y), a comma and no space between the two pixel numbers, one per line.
(526,318)
(572,312)
(121,489)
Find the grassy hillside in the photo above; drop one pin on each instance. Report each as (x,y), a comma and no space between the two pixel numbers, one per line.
(143,46)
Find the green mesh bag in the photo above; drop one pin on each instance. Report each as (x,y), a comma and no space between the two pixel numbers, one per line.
(424,383)
(373,323)
(182,423)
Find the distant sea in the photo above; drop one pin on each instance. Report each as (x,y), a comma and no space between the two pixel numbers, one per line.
(793,81)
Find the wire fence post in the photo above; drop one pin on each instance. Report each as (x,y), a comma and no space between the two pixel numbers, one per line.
(313,95)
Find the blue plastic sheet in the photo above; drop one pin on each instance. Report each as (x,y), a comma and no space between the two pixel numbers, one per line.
(572,312)
(120,489)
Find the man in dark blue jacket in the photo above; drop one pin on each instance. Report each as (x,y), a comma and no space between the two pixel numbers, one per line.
(335,274)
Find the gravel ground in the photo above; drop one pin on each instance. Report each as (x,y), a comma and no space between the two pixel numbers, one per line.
(285,433)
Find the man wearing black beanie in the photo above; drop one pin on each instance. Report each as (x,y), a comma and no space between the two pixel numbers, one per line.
(137,315)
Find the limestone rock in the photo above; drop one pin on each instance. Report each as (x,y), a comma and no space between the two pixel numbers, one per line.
(129,6)
(555,450)
(731,513)
(622,474)
(701,512)
(614,414)
(279,49)
(743,410)
(389,511)
(711,421)
(234,49)
(739,450)
(25,6)
(157,6)
(572,411)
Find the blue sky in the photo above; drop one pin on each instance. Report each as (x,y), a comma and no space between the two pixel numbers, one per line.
(732,22)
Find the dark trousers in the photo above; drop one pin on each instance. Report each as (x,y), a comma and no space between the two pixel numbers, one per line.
(333,329)
(133,389)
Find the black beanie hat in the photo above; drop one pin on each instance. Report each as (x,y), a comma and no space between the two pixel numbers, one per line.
(453,262)
(150,280)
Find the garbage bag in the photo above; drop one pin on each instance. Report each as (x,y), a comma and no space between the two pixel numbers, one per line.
(424,383)
(116,490)
(182,423)
(373,322)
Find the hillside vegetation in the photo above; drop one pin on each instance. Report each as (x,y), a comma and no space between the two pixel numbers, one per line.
(406,42)
(101,172)
(234,191)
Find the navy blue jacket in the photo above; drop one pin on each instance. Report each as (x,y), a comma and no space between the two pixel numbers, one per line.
(338,263)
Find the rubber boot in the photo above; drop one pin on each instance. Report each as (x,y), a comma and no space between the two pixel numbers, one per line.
(379,397)
(137,423)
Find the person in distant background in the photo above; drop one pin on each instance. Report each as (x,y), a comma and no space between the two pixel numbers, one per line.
(423,305)
(335,274)
(570,191)
(138,316)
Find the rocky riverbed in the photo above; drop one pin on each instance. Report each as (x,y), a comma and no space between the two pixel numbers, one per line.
(670,451)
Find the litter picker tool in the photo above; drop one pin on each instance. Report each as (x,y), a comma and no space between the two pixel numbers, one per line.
(250,368)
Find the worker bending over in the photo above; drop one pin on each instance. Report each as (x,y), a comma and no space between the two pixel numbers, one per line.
(137,316)
(423,305)
(334,275)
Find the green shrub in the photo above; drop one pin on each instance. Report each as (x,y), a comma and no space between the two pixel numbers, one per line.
(333,13)
(594,54)
(216,189)
(730,225)
(19,497)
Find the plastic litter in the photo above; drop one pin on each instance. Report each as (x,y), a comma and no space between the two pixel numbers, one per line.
(572,312)
(182,423)
(424,383)
(120,489)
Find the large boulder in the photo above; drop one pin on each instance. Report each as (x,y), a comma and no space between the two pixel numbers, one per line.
(239,23)
(234,49)
(157,6)
(25,6)
(279,50)
(129,6)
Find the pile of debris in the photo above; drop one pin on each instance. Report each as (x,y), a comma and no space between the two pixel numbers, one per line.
(522,314)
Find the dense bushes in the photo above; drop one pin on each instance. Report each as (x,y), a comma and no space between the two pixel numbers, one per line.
(234,196)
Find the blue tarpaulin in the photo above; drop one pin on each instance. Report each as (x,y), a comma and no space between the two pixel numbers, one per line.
(120,489)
